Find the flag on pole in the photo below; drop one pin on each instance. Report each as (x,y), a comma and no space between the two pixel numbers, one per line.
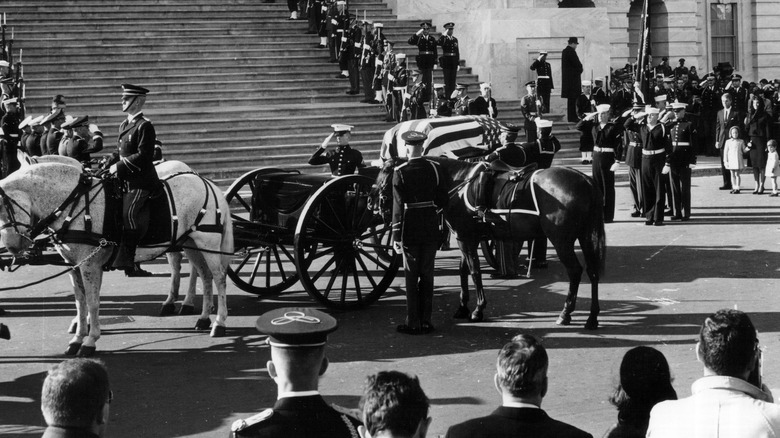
(643,55)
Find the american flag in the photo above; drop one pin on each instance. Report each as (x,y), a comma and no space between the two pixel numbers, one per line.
(454,137)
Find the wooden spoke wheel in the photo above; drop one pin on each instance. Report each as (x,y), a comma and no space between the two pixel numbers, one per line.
(338,242)
(488,247)
(267,265)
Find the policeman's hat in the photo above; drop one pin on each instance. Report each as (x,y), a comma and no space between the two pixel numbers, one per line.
(76,122)
(736,76)
(413,138)
(541,123)
(129,90)
(449,25)
(425,25)
(530,83)
(598,81)
(340,129)
(510,128)
(291,327)
(573,40)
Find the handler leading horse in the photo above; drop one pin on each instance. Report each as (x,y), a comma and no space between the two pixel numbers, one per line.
(30,195)
(569,209)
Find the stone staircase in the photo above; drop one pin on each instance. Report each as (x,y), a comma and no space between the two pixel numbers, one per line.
(234,85)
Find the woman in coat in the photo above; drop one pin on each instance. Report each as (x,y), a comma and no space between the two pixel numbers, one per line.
(758,127)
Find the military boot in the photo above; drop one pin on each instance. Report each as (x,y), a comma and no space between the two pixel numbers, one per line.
(125,256)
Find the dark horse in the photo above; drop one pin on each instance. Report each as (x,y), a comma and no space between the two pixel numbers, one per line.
(570,208)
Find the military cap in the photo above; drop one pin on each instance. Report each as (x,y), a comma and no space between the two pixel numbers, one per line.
(341,3)
(586,83)
(660,98)
(56,114)
(573,40)
(652,110)
(598,81)
(665,58)
(603,108)
(710,76)
(736,76)
(68,119)
(449,25)
(11,101)
(678,105)
(292,327)
(669,79)
(58,99)
(529,83)
(379,25)
(682,60)
(460,87)
(400,56)
(25,122)
(437,86)
(425,25)
(339,128)
(638,106)
(133,90)
(76,122)
(541,123)
(367,22)
(4,63)
(413,138)
(510,127)
(543,52)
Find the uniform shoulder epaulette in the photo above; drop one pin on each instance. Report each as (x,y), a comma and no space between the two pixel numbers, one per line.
(242,424)
(402,165)
(355,414)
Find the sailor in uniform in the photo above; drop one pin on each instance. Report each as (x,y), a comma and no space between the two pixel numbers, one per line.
(342,161)
(633,158)
(655,148)
(297,337)
(420,191)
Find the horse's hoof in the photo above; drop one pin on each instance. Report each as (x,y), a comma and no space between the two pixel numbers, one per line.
(72,328)
(563,320)
(217,331)
(73,349)
(476,317)
(461,313)
(167,309)
(86,351)
(4,332)
(187,310)
(203,324)
(592,324)
(2,311)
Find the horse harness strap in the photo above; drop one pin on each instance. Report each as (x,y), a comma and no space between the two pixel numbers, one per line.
(217,227)
(83,188)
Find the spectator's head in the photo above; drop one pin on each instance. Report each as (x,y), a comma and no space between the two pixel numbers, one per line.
(692,69)
(645,380)
(726,100)
(297,337)
(665,60)
(394,405)
(680,83)
(734,132)
(485,90)
(728,344)
(573,42)
(682,62)
(684,78)
(76,394)
(521,370)
(756,102)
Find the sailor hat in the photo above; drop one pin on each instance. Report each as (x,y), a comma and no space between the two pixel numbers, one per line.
(679,105)
(586,83)
(652,110)
(437,86)
(603,108)
(660,98)
(400,56)
(541,123)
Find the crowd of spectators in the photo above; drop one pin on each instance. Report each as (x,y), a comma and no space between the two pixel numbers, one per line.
(729,400)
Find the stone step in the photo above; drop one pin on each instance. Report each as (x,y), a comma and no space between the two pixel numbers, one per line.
(89,16)
(25,6)
(44,48)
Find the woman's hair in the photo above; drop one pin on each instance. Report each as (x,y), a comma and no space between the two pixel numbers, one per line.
(739,131)
(760,100)
(645,380)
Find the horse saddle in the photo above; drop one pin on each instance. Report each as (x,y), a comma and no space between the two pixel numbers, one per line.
(505,171)
(514,191)
(156,213)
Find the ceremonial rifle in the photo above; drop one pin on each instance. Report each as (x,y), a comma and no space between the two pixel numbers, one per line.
(3,51)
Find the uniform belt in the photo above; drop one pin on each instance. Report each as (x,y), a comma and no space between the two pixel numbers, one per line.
(13,135)
(598,149)
(633,143)
(399,88)
(423,204)
(425,53)
(450,54)
(543,77)
(653,152)
(681,143)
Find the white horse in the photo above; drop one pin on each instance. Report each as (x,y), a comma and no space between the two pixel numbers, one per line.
(164,169)
(30,195)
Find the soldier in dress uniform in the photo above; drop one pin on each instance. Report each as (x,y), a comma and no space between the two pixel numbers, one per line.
(584,106)
(679,161)
(342,161)
(710,105)
(739,94)
(389,62)
(297,337)
(351,52)
(78,145)
(633,158)
(420,191)
(544,83)
(681,69)
(25,131)
(460,100)
(413,107)
(484,103)
(450,58)
(398,82)
(378,47)
(531,107)
(338,23)
(54,120)
(324,24)
(366,62)
(427,56)
(655,148)
(133,163)
(669,91)
(10,134)
(597,94)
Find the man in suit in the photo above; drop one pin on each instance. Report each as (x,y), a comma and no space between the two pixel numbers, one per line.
(427,56)
(344,160)
(394,406)
(297,337)
(521,380)
(484,103)
(544,83)
(727,117)
(571,77)
(450,58)
(420,191)
(133,164)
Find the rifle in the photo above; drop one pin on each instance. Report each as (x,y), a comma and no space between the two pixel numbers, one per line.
(19,85)
(3,52)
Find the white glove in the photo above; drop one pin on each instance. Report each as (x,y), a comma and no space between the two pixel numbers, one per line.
(434,112)
(717,145)
(666,170)
(398,248)
(454,94)
(458,69)
(377,163)
(615,166)
(93,128)
(691,166)
(112,169)
(327,140)
(419,32)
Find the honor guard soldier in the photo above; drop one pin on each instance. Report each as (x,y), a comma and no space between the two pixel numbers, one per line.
(584,107)
(78,145)
(680,160)
(297,337)
(414,108)
(597,94)
(25,131)
(54,120)
(398,81)
(531,107)
(337,24)
(460,100)
(134,166)
(366,62)
(378,48)
(450,59)
(484,103)
(542,151)
(633,158)
(10,134)
(351,52)
(669,91)
(323,25)
(342,161)
(544,83)
(655,148)
(427,56)
(739,94)
(710,105)
(389,62)
(420,191)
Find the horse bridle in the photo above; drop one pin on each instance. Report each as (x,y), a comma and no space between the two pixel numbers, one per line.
(8,204)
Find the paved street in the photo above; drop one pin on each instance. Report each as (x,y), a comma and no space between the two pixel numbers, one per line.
(660,283)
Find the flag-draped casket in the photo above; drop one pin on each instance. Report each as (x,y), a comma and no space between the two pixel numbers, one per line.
(454,137)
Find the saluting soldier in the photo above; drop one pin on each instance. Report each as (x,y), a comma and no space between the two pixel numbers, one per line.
(297,337)
(655,148)
(461,100)
(679,161)
(669,91)
(420,190)
(531,107)
(342,161)
(78,145)
(443,104)
(633,159)
(544,82)
(351,52)
(450,59)
(133,164)
(427,56)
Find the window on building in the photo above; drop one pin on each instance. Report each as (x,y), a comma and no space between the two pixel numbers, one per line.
(723,25)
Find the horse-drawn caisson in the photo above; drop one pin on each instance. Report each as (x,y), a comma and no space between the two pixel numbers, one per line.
(275,227)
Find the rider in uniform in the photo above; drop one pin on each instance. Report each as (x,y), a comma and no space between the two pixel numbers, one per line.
(134,166)
(342,161)
(297,337)
(420,189)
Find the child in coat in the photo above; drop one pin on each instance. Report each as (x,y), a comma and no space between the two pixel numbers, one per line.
(732,157)
(773,165)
